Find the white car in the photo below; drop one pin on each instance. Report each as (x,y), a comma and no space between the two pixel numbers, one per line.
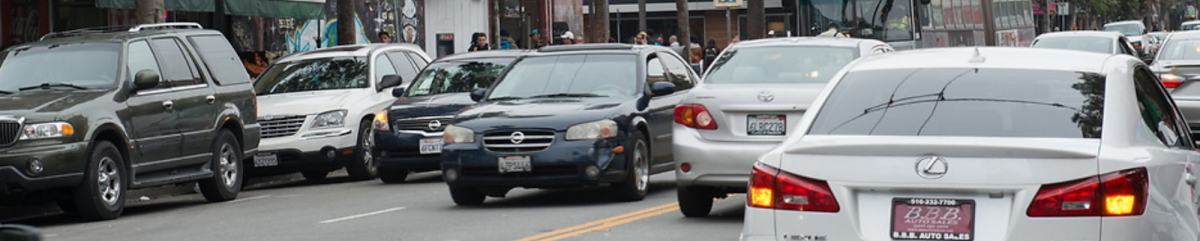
(316,108)
(747,103)
(982,144)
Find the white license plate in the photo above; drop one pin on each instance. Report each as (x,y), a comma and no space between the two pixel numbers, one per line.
(431,146)
(266,160)
(515,164)
(766,125)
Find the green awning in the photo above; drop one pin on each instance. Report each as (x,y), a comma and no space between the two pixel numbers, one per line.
(305,9)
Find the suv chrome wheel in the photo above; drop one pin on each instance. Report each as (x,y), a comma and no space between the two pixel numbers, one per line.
(108,179)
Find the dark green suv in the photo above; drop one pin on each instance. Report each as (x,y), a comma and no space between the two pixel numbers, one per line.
(89,114)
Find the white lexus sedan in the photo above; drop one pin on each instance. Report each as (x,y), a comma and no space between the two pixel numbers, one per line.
(982,144)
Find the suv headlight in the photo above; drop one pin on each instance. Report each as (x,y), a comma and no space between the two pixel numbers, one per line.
(330,119)
(47,130)
(454,134)
(592,130)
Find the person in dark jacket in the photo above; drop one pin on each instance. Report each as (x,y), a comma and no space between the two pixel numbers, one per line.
(479,42)
(710,53)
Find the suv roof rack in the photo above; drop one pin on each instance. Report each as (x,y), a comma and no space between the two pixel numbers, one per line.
(118,28)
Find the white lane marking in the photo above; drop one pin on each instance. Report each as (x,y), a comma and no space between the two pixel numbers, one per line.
(362,215)
(249,198)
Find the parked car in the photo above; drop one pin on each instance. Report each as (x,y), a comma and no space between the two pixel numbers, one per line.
(1090,41)
(409,137)
(90,114)
(1178,67)
(1135,30)
(983,144)
(569,116)
(749,101)
(1190,25)
(317,107)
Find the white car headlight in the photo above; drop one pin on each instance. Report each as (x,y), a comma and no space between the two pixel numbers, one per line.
(47,130)
(454,134)
(330,119)
(592,130)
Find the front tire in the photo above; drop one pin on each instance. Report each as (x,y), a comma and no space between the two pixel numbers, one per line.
(635,185)
(393,176)
(695,202)
(466,196)
(363,166)
(102,195)
(227,169)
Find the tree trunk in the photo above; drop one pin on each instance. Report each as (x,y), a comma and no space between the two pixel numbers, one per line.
(1046,17)
(755,19)
(641,15)
(685,33)
(149,11)
(601,25)
(346,30)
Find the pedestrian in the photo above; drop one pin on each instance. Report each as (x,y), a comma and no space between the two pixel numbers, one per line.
(658,41)
(385,37)
(535,40)
(567,38)
(674,41)
(612,40)
(832,32)
(710,53)
(771,34)
(579,39)
(479,42)
(505,41)
(641,39)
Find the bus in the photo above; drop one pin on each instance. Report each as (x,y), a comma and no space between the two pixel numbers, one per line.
(910,24)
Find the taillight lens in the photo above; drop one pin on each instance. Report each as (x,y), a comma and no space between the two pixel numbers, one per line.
(772,188)
(1120,193)
(694,116)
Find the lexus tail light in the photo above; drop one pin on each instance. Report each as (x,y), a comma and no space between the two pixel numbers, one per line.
(775,189)
(1120,193)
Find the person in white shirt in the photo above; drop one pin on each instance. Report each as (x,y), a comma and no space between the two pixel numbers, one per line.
(833,32)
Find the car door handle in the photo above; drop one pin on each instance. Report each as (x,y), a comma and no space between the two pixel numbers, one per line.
(211,99)
(169,105)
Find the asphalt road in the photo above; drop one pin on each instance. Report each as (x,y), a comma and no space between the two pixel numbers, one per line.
(288,208)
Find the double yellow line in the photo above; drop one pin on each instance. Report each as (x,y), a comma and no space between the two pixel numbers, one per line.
(603,223)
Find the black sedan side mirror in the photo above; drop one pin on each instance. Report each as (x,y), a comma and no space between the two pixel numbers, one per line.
(477,94)
(146,79)
(389,81)
(662,88)
(19,233)
(398,92)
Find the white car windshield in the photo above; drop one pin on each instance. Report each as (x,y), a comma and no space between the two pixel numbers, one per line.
(314,74)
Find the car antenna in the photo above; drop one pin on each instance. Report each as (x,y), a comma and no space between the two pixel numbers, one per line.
(977,58)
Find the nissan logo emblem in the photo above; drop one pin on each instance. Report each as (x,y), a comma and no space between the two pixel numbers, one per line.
(517,137)
(435,125)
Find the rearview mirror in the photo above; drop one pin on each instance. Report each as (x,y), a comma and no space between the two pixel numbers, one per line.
(19,233)
(398,92)
(145,79)
(478,94)
(389,81)
(662,88)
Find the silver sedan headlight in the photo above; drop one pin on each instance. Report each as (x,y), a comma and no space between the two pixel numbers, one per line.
(330,119)
(47,130)
(592,130)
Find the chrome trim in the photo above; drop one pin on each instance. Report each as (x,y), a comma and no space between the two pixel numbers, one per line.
(172,89)
(527,138)
(16,130)
(535,145)
(428,118)
(324,134)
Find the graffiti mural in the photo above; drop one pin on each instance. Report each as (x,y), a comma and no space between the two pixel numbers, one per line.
(282,36)
(26,21)
(412,22)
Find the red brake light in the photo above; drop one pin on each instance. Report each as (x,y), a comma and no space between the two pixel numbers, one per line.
(694,116)
(772,188)
(1117,193)
(1171,84)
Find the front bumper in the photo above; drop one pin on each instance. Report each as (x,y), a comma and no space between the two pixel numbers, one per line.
(299,153)
(715,163)
(63,166)
(562,164)
(402,150)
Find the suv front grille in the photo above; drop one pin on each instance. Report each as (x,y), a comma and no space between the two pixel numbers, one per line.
(10,131)
(426,124)
(511,141)
(280,126)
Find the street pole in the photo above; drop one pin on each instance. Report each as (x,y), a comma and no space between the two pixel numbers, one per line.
(728,27)
(346,27)
(756,19)
(149,11)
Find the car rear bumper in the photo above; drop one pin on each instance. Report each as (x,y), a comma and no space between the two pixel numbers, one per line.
(563,164)
(715,163)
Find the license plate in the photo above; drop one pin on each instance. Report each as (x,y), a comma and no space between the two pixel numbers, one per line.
(766,125)
(933,219)
(266,160)
(515,164)
(431,145)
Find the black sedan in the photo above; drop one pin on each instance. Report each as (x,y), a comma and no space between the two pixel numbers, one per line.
(569,116)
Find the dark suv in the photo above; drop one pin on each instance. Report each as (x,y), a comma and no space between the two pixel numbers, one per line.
(89,114)
(569,116)
(410,138)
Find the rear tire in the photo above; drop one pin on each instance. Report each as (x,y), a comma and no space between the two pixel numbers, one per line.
(227,170)
(314,175)
(695,202)
(635,186)
(393,176)
(466,196)
(363,166)
(102,195)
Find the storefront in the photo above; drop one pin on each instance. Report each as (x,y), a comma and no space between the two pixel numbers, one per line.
(707,22)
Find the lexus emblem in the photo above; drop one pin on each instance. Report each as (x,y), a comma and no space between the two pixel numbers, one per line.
(766,96)
(435,125)
(932,167)
(517,137)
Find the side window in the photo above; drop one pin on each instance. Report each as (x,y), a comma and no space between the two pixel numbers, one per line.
(219,58)
(383,66)
(177,67)
(678,73)
(418,60)
(404,66)
(140,58)
(654,71)
(1157,110)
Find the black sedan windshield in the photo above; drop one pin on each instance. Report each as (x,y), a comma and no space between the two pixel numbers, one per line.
(314,74)
(91,65)
(456,76)
(594,75)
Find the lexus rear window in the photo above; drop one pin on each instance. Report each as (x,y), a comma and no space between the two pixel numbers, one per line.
(1102,45)
(780,64)
(965,102)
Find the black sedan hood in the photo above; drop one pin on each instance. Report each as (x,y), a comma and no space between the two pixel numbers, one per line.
(45,102)
(554,113)
(432,105)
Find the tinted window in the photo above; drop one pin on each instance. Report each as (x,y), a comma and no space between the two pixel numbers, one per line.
(455,76)
(403,66)
(791,64)
(1157,112)
(177,68)
(90,65)
(1090,44)
(383,66)
(678,73)
(609,75)
(222,62)
(313,74)
(965,102)
(142,58)
(1180,49)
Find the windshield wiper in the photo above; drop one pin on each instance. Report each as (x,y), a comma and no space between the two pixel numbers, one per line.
(51,85)
(5,92)
(506,98)
(568,95)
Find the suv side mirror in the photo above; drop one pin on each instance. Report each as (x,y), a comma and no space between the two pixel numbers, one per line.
(19,233)
(662,88)
(478,94)
(389,81)
(146,79)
